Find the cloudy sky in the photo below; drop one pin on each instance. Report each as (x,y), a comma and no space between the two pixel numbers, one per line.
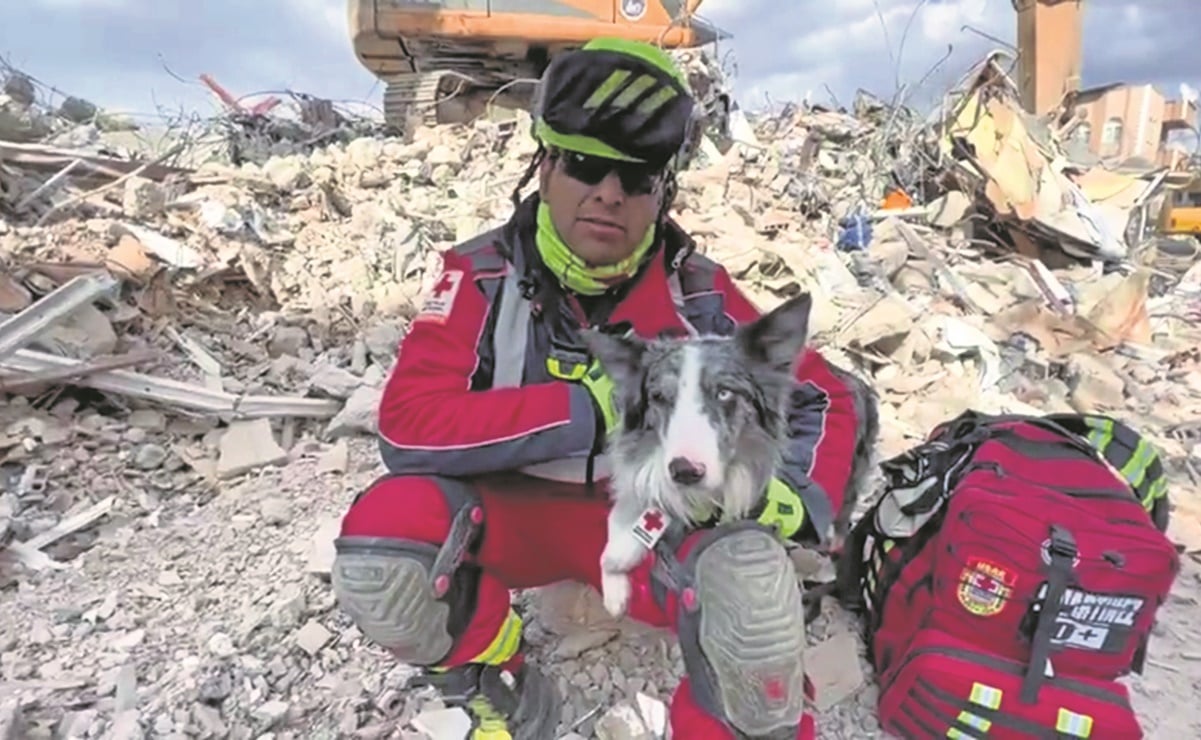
(118,52)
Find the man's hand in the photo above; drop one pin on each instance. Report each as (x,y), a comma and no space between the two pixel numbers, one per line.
(600,385)
(783,509)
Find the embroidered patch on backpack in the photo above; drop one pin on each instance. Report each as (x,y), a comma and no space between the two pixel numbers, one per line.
(984,587)
(441,298)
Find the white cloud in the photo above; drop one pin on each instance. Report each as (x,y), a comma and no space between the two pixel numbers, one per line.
(114,51)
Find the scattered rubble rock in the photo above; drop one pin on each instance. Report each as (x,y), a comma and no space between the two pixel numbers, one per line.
(276,511)
(149,457)
(335,381)
(359,415)
(622,722)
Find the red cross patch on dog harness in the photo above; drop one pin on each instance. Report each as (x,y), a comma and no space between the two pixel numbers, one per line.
(651,526)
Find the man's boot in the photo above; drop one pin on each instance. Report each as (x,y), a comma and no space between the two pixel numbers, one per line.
(511,702)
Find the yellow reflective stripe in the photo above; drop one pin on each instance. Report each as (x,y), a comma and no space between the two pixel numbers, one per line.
(490,723)
(1135,468)
(504,646)
(986,696)
(1158,490)
(974,721)
(633,90)
(1101,434)
(555,368)
(607,88)
(960,735)
(1076,725)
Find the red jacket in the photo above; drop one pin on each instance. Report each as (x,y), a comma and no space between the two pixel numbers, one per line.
(442,415)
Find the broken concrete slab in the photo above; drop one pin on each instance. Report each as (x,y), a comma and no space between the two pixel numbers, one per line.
(833,665)
(247,446)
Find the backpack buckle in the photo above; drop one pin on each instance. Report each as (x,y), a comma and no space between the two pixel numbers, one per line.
(1062,544)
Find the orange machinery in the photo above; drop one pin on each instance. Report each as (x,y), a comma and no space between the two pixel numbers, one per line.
(445,60)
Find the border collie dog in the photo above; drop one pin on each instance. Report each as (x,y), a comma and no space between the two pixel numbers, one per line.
(703,421)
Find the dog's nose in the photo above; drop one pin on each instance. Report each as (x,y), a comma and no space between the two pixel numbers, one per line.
(685,471)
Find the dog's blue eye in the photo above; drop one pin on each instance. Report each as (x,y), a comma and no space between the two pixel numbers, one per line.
(725,395)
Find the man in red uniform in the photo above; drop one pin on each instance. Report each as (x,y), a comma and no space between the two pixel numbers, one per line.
(493,425)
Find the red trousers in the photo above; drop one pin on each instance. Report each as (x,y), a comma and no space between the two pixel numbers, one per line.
(536,532)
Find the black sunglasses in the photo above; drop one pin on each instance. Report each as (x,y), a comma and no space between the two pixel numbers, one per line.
(636,179)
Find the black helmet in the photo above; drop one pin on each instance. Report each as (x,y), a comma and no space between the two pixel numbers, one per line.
(618,99)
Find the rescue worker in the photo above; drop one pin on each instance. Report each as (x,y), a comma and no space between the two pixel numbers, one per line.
(493,423)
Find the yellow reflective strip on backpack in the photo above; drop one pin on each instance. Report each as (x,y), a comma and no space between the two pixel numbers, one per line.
(975,721)
(1076,725)
(985,696)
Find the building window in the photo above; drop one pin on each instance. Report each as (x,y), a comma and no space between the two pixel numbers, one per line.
(1112,133)
(1083,134)
(1111,137)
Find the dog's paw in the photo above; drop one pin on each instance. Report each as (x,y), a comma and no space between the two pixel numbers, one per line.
(616,591)
(621,554)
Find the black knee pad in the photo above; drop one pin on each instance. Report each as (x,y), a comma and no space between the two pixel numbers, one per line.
(389,589)
(412,597)
(741,628)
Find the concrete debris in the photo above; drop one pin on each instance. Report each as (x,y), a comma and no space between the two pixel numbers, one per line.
(835,670)
(320,557)
(443,724)
(336,459)
(197,332)
(12,722)
(622,722)
(248,445)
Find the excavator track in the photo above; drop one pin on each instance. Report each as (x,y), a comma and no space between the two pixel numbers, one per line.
(411,100)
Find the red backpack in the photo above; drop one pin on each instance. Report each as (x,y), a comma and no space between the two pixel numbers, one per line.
(1011,571)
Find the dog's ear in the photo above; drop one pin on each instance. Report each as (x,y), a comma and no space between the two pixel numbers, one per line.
(777,338)
(619,356)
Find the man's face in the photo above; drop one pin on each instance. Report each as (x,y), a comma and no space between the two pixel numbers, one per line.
(600,207)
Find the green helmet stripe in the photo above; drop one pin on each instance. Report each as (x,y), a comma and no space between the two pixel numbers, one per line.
(652,55)
(633,90)
(656,101)
(607,88)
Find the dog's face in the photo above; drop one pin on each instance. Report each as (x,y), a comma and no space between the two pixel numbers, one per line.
(703,415)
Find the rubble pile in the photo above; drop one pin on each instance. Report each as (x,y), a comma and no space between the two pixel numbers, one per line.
(193,346)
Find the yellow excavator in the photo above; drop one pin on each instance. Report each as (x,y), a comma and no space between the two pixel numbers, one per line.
(446,61)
